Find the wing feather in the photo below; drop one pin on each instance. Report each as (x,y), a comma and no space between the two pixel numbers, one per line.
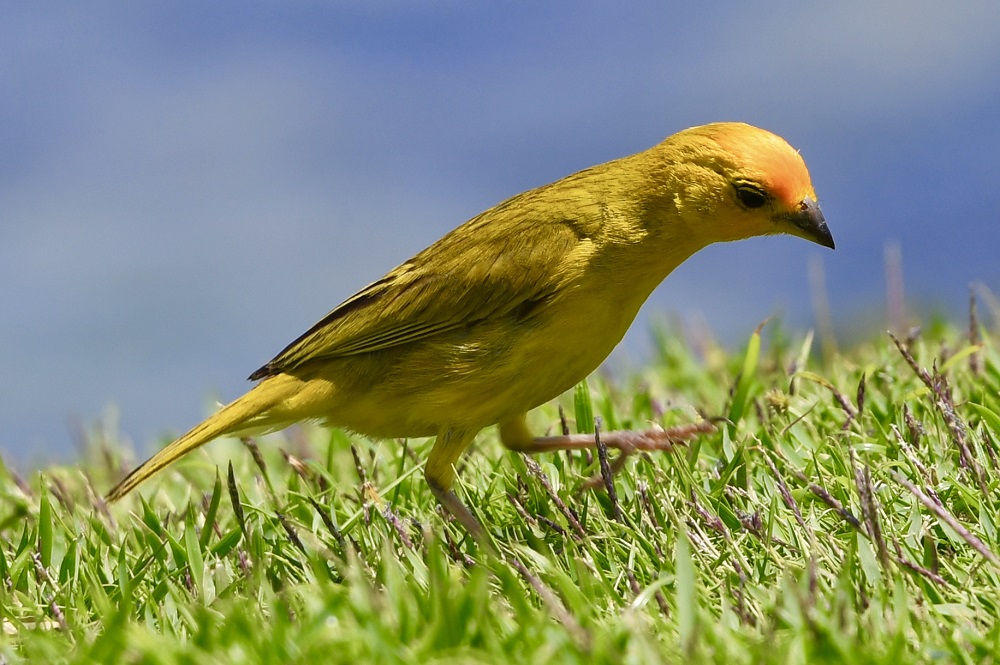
(486,268)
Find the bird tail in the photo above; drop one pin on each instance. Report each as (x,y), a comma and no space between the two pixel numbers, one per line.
(249,412)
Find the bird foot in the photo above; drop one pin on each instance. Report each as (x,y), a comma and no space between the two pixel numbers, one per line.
(627,441)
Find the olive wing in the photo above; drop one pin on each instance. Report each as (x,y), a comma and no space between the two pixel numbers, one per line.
(480,270)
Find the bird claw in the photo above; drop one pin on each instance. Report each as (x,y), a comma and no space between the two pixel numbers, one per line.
(652,440)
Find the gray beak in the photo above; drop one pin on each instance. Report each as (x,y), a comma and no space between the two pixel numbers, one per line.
(810,224)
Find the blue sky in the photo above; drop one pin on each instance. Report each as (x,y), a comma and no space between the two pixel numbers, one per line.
(185,187)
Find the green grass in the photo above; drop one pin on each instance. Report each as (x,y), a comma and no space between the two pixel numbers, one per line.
(845,512)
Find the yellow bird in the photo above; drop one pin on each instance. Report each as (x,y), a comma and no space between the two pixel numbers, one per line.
(520,303)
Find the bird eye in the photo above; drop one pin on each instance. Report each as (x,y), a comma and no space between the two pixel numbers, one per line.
(750,195)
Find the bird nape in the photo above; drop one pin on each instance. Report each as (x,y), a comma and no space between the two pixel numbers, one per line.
(520,303)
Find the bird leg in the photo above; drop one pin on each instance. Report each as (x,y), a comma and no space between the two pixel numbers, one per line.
(440,475)
(449,446)
(514,434)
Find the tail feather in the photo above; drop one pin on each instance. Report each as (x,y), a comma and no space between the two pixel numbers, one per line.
(243,414)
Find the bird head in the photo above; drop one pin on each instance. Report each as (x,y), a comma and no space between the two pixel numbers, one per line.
(735,181)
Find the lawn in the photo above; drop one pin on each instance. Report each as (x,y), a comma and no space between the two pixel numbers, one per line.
(844,510)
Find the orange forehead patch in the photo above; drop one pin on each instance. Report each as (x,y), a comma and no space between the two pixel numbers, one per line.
(768,159)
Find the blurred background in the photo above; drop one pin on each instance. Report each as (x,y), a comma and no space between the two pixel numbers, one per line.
(185,187)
